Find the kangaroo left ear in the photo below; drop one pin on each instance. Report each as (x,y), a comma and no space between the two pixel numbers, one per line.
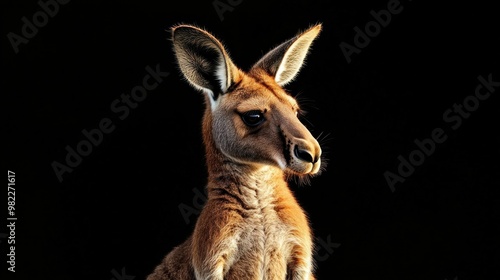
(285,61)
(203,60)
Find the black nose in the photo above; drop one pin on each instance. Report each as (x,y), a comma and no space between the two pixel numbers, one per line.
(303,154)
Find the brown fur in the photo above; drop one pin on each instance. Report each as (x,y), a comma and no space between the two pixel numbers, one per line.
(251,226)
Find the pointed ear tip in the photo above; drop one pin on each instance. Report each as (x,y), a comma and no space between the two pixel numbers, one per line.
(181,28)
(184,26)
(317,27)
(174,28)
(313,30)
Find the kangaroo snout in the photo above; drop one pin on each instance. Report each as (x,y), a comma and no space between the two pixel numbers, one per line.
(305,156)
(308,152)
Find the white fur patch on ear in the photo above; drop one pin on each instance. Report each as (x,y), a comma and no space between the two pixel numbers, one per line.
(214,103)
(211,97)
(294,57)
(222,74)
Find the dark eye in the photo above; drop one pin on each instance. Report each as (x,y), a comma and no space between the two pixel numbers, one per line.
(253,118)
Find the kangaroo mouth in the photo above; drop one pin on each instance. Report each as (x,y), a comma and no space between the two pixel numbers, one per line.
(304,168)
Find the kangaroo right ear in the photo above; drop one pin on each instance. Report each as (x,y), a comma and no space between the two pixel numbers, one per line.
(203,61)
(285,61)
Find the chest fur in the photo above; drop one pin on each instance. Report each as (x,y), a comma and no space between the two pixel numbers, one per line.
(265,236)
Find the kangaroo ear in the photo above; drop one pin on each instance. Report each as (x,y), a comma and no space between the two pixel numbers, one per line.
(203,60)
(285,61)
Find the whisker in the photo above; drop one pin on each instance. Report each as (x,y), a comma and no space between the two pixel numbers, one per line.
(324,138)
(308,122)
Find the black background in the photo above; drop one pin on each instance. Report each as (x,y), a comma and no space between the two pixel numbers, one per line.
(118,211)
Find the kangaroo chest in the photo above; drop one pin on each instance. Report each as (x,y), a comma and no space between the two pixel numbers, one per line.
(265,238)
(264,231)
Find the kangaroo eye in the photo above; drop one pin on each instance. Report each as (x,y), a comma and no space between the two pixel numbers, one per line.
(253,118)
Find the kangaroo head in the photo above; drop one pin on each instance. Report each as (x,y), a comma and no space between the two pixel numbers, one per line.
(249,118)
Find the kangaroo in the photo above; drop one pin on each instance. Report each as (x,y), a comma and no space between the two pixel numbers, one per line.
(251,226)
